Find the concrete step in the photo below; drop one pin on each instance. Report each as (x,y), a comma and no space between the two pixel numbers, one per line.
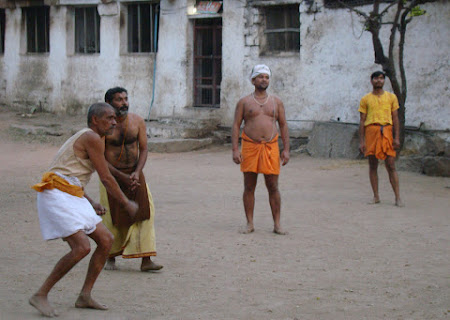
(165,145)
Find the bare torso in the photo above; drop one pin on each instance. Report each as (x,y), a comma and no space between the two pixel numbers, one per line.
(122,147)
(260,120)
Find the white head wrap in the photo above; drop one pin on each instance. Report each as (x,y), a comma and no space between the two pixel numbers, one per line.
(259,69)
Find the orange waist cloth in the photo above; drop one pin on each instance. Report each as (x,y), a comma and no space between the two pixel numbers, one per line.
(51,180)
(260,157)
(379,141)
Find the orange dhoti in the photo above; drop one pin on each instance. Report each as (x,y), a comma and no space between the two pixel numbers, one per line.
(260,157)
(379,141)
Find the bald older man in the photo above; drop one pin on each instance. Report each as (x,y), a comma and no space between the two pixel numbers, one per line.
(65,211)
(260,112)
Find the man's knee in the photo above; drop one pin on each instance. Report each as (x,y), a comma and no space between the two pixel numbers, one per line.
(272,188)
(272,185)
(81,249)
(390,166)
(250,180)
(249,188)
(106,239)
(373,163)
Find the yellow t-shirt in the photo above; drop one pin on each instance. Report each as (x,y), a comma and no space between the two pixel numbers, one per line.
(378,108)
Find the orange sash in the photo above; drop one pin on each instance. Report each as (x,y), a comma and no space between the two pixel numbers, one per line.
(260,157)
(379,141)
(51,180)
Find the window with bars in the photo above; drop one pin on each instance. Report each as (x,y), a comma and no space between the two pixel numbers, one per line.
(87,30)
(37,21)
(143,27)
(2,31)
(281,29)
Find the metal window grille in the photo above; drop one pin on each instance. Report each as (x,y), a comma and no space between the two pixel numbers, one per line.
(207,62)
(2,30)
(87,30)
(282,28)
(141,27)
(37,23)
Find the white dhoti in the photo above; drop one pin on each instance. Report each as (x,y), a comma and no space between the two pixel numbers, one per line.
(62,215)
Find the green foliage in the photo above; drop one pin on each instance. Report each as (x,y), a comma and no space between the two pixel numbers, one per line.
(417,11)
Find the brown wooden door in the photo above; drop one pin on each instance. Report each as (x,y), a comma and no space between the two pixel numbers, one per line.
(207,62)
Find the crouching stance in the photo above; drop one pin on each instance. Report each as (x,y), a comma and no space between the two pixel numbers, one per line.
(66,212)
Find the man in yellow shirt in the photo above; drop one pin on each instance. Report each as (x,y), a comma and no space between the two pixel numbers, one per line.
(378,119)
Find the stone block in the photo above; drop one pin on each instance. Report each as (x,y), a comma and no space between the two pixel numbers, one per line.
(334,140)
(436,166)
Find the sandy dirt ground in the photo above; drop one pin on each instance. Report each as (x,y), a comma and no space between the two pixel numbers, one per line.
(342,259)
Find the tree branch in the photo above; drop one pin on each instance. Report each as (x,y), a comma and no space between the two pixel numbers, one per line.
(361,13)
(387,8)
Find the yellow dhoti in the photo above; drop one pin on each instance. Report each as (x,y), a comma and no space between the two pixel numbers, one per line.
(135,241)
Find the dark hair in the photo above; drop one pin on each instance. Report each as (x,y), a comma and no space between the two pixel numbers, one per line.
(97,109)
(377,74)
(109,95)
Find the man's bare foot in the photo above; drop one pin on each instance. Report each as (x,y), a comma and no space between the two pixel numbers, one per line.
(149,265)
(278,230)
(375,200)
(86,301)
(248,229)
(111,264)
(399,203)
(42,305)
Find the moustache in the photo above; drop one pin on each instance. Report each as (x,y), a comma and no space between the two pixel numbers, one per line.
(121,111)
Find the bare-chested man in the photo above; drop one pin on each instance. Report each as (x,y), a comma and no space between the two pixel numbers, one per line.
(66,212)
(126,151)
(260,153)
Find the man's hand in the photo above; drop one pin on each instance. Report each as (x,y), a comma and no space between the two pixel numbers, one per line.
(362,147)
(284,157)
(237,157)
(99,209)
(134,180)
(396,144)
(131,207)
(128,180)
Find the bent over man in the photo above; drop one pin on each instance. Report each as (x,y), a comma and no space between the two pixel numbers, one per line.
(66,212)
(126,151)
(260,153)
(379,133)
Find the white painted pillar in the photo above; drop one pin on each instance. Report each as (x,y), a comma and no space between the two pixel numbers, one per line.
(11,56)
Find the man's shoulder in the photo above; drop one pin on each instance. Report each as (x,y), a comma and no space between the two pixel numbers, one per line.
(244,98)
(367,96)
(88,134)
(134,116)
(391,95)
(276,98)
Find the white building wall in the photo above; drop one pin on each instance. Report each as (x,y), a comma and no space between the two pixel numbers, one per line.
(332,71)
(65,81)
(324,81)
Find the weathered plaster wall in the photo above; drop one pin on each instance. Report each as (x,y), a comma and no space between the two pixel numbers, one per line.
(324,81)
(332,71)
(63,81)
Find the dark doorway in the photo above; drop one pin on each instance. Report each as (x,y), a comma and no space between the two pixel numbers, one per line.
(207,62)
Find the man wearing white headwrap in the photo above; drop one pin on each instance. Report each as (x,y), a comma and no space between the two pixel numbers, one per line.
(260,69)
(260,153)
